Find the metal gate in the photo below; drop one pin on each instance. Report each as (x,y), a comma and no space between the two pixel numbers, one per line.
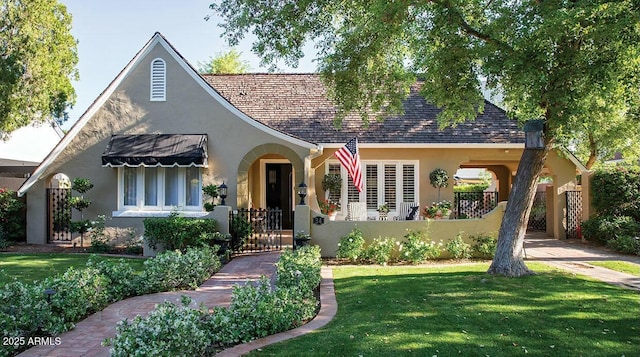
(58,214)
(574,214)
(256,229)
(473,204)
(538,215)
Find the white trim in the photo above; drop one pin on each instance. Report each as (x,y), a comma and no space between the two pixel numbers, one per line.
(144,214)
(156,39)
(158,81)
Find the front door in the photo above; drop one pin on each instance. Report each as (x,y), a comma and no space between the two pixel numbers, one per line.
(279,185)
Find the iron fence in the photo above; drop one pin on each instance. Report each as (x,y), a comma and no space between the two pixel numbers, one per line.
(538,215)
(255,229)
(473,204)
(574,214)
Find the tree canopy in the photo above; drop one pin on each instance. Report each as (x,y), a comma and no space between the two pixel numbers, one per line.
(225,63)
(38,57)
(558,61)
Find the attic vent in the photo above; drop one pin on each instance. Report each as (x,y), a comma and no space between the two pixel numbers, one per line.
(158,80)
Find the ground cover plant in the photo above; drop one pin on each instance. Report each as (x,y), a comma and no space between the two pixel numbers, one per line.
(619,265)
(27,267)
(54,304)
(257,309)
(462,311)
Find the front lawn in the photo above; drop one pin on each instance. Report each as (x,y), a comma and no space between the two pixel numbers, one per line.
(618,265)
(27,267)
(462,311)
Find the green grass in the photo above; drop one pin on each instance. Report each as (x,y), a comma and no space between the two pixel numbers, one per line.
(462,311)
(37,266)
(618,265)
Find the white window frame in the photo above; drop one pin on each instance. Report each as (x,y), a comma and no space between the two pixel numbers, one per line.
(159,210)
(158,81)
(380,183)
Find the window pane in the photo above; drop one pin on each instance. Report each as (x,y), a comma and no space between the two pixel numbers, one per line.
(390,185)
(129,185)
(352,192)
(408,183)
(171,186)
(334,169)
(193,186)
(372,186)
(151,186)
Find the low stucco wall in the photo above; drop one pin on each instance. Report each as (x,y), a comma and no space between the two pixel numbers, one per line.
(327,235)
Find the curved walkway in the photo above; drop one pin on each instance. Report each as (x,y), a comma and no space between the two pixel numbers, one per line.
(86,339)
(573,255)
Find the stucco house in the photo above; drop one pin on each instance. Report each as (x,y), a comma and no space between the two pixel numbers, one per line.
(160,131)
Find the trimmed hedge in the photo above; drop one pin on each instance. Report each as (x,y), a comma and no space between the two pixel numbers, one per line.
(177,232)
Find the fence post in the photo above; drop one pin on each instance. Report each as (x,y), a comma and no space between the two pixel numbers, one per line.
(221,215)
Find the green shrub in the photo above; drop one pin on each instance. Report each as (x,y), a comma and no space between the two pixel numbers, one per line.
(625,244)
(169,330)
(11,221)
(416,250)
(602,229)
(380,251)
(484,246)
(177,232)
(478,187)
(122,281)
(240,230)
(299,268)
(616,192)
(174,270)
(256,310)
(99,241)
(351,246)
(458,248)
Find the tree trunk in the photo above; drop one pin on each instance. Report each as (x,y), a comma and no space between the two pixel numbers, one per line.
(508,260)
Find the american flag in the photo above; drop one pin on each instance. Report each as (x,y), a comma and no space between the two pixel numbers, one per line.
(349,157)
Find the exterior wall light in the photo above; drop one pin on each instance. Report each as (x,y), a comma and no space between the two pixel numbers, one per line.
(302,192)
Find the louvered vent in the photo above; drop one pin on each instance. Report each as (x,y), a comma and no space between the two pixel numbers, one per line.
(158,80)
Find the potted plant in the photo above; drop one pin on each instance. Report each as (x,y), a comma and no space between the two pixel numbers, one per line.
(332,183)
(329,208)
(211,191)
(383,210)
(301,239)
(439,178)
(438,210)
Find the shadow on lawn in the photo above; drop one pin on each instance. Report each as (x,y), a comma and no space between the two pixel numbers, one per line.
(442,312)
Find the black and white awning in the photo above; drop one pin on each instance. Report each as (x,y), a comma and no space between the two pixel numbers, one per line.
(151,150)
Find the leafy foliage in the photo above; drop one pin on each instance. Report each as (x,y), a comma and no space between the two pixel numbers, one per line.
(484,246)
(256,310)
(11,222)
(351,246)
(380,251)
(26,310)
(458,248)
(439,178)
(37,64)
(417,250)
(177,232)
(225,63)
(616,191)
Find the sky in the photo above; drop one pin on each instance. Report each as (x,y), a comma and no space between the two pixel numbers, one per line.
(110,33)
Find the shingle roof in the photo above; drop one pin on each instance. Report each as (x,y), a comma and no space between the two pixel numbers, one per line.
(297,104)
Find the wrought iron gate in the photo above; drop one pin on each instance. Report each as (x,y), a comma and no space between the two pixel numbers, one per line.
(574,214)
(256,229)
(538,215)
(58,214)
(473,204)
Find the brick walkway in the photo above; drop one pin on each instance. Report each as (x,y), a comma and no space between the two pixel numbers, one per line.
(86,338)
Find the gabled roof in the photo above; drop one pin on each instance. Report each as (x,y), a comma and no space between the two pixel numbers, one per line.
(298,104)
(156,39)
